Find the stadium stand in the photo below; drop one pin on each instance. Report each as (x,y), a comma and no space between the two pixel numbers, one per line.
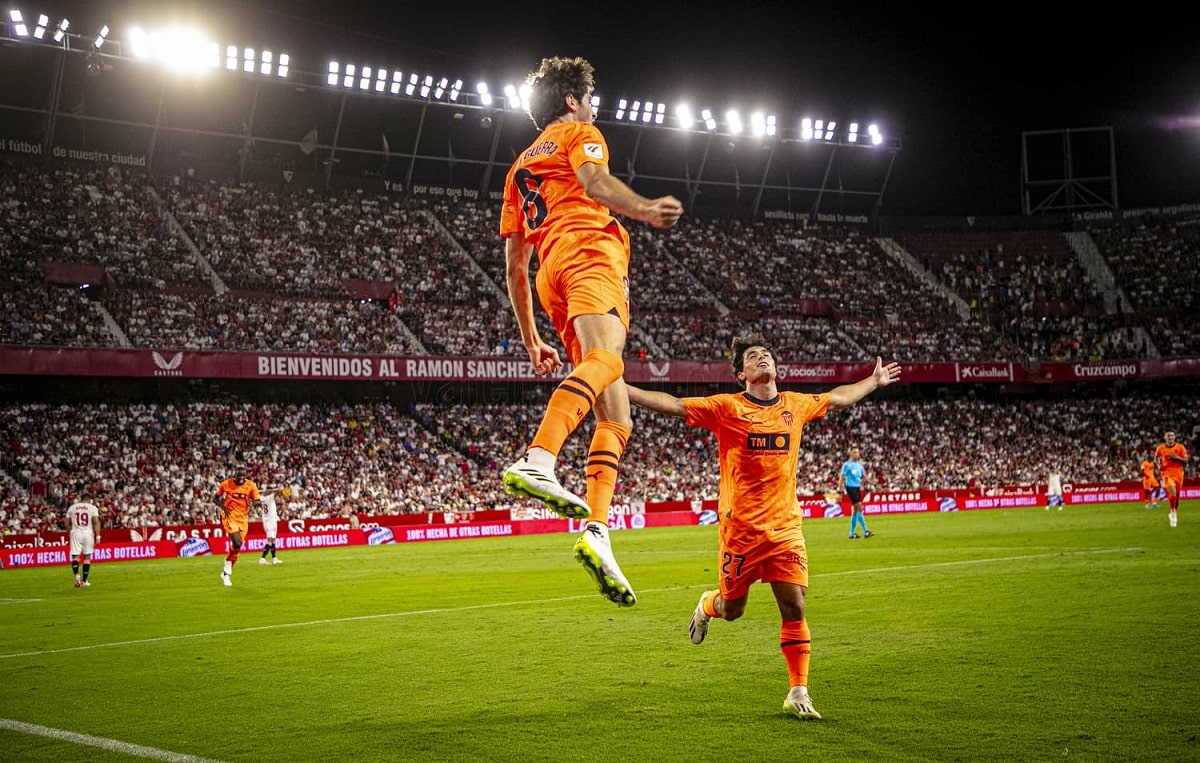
(111,258)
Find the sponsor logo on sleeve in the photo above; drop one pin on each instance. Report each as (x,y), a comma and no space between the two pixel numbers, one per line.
(593,150)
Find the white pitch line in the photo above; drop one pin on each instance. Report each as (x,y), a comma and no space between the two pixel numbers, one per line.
(497,605)
(19,601)
(107,744)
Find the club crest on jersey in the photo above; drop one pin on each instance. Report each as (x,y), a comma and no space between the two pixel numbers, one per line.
(773,441)
(788,418)
(593,150)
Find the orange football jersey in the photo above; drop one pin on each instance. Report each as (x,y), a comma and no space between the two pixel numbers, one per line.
(759,450)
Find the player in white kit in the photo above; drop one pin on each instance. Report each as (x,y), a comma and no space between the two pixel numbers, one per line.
(1054,490)
(83,518)
(270,522)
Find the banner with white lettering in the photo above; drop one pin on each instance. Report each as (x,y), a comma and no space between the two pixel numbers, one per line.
(64,361)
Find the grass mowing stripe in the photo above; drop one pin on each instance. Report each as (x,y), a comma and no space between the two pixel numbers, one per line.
(327,621)
(988,560)
(495,605)
(136,750)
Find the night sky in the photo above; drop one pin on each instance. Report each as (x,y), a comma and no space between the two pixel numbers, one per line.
(958,87)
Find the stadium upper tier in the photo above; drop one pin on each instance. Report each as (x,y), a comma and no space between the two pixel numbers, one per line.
(185,264)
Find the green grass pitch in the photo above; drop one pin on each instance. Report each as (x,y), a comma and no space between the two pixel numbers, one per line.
(1015,635)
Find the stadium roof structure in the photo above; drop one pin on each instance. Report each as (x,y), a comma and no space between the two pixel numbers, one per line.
(262,116)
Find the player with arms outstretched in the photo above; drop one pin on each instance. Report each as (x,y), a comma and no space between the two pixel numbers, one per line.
(761,535)
(559,201)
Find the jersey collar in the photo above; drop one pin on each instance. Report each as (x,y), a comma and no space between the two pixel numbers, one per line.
(764,403)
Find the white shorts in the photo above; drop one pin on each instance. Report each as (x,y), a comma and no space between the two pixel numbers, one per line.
(82,542)
(270,529)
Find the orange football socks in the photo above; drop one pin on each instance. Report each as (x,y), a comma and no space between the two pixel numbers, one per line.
(608,443)
(574,397)
(795,643)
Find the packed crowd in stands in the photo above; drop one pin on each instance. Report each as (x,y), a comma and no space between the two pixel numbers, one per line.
(1155,263)
(205,321)
(291,256)
(159,464)
(186,264)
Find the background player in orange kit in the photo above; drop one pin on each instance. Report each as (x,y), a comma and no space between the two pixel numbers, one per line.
(234,496)
(1170,458)
(1150,484)
(559,200)
(761,537)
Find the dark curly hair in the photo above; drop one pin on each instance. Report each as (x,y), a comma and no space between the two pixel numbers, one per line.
(550,85)
(737,351)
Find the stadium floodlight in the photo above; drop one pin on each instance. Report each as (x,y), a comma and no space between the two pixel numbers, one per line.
(231,58)
(426,85)
(397,82)
(485,95)
(595,102)
(758,124)
(381,76)
(635,108)
(284,63)
(710,122)
(100,38)
(876,136)
(40,30)
(455,90)
(248,58)
(852,136)
(266,62)
(179,48)
(660,113)
(18,23)
(683,113)
(334,70)
(526,91)
(513,97)
(772,124)
(734,120)
(364,78)
(61,34)
(806,129)
(647,111)
(413,79)
(348,78)
(829,128)
(443,83)
(622,104)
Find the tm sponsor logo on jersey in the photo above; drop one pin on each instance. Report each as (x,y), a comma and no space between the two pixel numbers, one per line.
(770,441)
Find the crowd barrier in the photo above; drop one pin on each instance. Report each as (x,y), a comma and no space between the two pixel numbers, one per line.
(132,544)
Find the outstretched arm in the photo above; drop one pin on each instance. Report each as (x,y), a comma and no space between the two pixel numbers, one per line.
(848,394)
(659,402)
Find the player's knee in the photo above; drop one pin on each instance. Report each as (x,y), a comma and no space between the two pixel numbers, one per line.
(610,361)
